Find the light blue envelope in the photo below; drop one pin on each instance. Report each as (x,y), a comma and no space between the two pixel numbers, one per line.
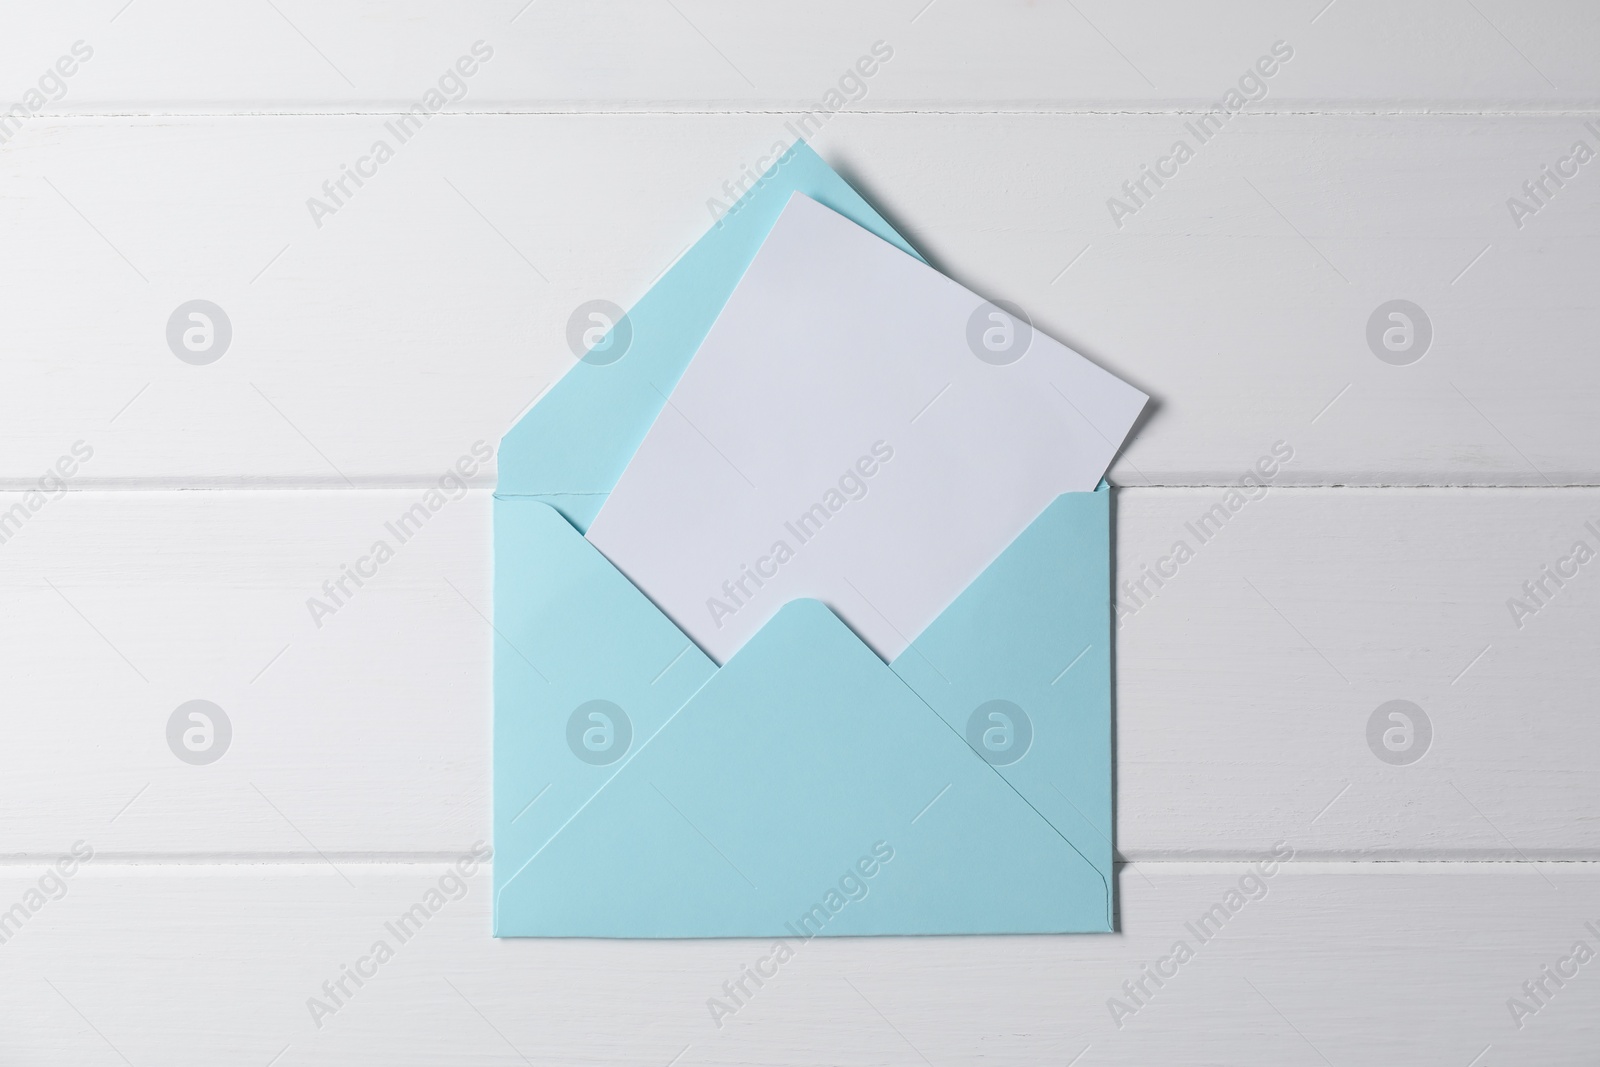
(804,788)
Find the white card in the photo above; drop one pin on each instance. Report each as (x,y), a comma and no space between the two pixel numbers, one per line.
(856,428)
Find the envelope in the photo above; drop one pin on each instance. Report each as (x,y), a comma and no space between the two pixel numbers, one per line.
(805,788)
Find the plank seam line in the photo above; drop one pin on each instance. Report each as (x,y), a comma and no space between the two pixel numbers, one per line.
(1196,108)
(102,860)
(22,486)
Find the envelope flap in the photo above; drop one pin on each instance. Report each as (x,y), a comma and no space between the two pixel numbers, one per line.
(1020,665)
(586,670)
(803,790)
(572,446)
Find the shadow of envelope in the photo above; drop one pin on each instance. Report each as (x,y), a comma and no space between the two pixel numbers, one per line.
(804,788)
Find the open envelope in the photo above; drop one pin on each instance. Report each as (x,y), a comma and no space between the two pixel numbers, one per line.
(805,787)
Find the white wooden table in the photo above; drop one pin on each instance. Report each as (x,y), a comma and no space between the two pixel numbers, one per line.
(374,343)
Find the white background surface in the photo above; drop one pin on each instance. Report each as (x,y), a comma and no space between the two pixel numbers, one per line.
(370,353)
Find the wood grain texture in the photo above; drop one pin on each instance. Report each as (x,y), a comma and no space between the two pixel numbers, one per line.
(1336,963)
(433,306)
(165,56)
(1244,685)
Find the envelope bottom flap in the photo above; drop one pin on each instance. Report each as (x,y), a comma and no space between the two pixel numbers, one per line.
(1020,664)
(803,790)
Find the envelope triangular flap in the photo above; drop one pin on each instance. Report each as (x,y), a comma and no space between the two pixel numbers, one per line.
(577,631)
(751,808)
(1032,632)
(572,446)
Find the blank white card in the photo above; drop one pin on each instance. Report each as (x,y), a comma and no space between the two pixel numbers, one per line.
(856,428)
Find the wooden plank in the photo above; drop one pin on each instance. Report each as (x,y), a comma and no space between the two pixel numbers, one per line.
(1245,683)
(432,307)
(1327,963)
(716,55)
